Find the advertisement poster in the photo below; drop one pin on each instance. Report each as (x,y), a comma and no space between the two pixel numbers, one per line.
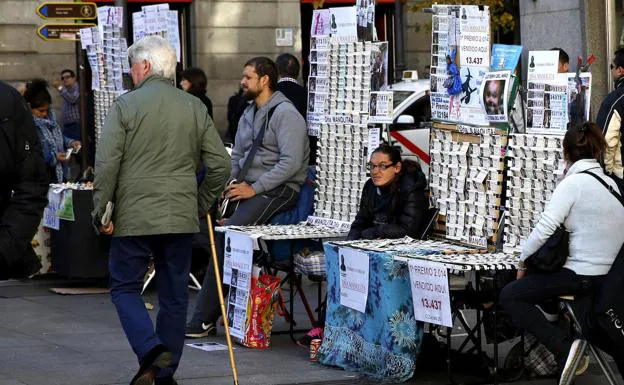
(577,100)
(343,23)
(474,35)
(365,19)
(50,217)
(321,20)
(239,251)
(430,292)
(379,66)
(543,66)
(505,57)
(471,111)
(494,95)
(354,275)
(440,106)
(381,107)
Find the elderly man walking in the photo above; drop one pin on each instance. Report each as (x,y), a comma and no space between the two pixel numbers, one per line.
(154,141)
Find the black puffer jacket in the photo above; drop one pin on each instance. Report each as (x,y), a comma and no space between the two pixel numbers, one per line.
(395,211)
(23,187)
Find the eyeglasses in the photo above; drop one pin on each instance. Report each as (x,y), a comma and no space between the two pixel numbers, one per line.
(380,166)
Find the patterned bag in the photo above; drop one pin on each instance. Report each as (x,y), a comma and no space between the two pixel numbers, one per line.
(539,361)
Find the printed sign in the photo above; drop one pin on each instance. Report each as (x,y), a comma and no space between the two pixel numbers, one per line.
(474,36)
(430,292)
(321,20)
(50,213)
(381,107)
(505,57)
(239,251)
(343,23)
(354,276)
(543,66)
(494,95)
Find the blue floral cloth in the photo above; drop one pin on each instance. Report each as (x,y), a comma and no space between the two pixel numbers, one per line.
(384,342)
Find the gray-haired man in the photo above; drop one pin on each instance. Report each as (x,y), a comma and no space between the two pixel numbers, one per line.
(153,140)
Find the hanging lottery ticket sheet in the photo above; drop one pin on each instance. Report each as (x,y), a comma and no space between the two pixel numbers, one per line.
(547,94)
(460,58)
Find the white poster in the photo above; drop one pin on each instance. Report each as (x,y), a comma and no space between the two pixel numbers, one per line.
(440,106)
(475,36)
(374,138)
(381,107)
(343,24)
(430,292)
(321,21)
(209,346)
(471,111)
(494,95)
(543,66)
(353,278)
(239,251)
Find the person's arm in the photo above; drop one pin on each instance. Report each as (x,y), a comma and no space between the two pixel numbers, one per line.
(72,95)
(554,215)
(108,159)
(415,205)
(49,155)
(292,141)
(363,218)
(19,222)
(217,166)
(612,137)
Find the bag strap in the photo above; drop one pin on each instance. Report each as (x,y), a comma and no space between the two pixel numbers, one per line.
(607,186)
(256,144)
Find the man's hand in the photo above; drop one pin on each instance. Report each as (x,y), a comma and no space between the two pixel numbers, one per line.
(75,144)
(239,191)
(62,157)
(56,83)
(520,274)
(107,230)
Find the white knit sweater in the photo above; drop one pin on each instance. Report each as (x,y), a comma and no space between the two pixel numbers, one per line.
(592,215)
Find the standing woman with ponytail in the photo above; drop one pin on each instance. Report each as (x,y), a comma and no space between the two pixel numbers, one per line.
(53,144)
(594,219)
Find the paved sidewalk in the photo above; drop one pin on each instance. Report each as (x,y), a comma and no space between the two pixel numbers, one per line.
(49,339)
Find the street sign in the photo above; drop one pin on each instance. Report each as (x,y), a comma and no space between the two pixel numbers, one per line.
(62,32)
(74,11)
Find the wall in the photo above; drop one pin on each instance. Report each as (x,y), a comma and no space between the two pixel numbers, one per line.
(23,54)
(229,32)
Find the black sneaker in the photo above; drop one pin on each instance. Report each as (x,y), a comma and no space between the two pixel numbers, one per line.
(203,330)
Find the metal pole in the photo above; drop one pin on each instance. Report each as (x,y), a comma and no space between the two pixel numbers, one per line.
(82,83)
(399,38)
(124,28)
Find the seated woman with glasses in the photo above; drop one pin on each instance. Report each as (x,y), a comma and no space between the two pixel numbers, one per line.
(393,200)
(392,205)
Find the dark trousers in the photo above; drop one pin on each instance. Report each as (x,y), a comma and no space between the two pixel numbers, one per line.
(518,299)
(128,264)
(255,211)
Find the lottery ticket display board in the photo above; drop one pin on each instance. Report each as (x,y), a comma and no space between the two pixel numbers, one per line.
(466,182)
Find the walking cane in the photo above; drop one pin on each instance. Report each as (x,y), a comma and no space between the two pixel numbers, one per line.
(215,262)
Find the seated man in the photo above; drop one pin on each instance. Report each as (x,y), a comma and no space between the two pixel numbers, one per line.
(269,165)
(393,205)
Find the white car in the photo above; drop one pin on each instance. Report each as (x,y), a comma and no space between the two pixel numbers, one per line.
(411,115)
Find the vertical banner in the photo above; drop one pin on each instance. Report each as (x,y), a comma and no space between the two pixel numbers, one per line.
(239,252)
(354,276)
(430,292)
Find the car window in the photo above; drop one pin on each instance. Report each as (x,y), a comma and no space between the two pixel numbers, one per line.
(420,110)
(399,96)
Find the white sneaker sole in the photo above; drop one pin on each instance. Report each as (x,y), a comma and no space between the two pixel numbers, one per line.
(568,373)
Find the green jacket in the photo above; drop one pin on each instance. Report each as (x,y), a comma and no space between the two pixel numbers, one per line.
(153,143)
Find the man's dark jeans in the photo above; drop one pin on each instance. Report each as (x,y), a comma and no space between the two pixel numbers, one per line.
(255,211)
(128,264)
(519,298)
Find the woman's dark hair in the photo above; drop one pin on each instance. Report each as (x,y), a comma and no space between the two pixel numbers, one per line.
(37,94)
(197,78)
(584,141)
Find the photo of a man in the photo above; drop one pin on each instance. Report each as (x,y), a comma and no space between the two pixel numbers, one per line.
(493,97)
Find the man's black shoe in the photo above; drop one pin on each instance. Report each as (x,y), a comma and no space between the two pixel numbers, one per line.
(157,358)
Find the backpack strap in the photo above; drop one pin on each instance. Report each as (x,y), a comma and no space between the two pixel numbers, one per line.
(607,186)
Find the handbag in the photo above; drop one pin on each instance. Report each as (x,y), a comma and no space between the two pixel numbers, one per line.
(552,255)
